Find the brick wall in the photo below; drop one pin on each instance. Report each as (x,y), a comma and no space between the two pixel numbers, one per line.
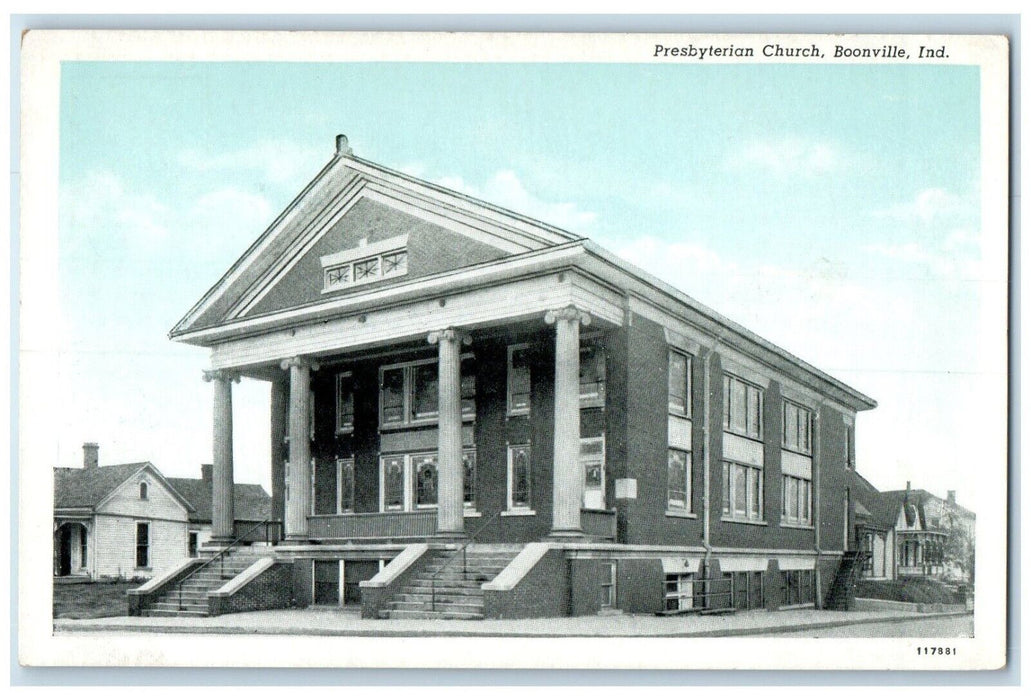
(543,592)
(272,589)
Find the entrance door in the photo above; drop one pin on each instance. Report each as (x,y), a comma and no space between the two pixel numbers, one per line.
(64,567)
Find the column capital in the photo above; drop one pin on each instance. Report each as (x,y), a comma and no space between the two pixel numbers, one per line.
(221,375)
(568,313)
(449,335)
(299,361)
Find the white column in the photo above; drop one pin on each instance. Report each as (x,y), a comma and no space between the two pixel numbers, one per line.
(450,507)
(222,455)
(298,507)
(568,481)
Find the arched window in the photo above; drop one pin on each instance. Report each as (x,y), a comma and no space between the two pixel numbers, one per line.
(143,490)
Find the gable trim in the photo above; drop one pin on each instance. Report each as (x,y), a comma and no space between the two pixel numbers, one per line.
(147,467)
(318,184)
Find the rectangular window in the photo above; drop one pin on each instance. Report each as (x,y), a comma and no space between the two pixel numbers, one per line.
(469,478)
(850,447)
(365,270)
(518,380)
(592,375)
(679,384)
(798,428)
(409,393)
(797,501)
(392,482)
(592,466)
(191,547)
(345,403)
(412,481)
(742,491)
(345,485)
(742,407)
(519,482)
(83,547)
(143,545)
(678,481)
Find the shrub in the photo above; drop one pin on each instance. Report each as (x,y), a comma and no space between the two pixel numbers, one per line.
(908,590)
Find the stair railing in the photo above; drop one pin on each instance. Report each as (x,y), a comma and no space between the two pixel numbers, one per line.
(461,550)
(221,554)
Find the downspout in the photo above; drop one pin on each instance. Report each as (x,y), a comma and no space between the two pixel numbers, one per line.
(816,504)
(707,473)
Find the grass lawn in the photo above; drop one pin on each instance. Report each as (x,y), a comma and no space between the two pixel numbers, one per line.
(908,590)
(79,601)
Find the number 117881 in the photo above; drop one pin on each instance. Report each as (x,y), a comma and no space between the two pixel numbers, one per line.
(936,651)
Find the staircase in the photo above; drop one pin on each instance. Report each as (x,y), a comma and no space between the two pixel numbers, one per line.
(195,586)
(443,591)
(843,590)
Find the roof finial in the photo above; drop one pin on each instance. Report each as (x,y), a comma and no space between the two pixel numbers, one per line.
(342,148)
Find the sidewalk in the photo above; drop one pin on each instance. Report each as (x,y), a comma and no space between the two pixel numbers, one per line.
(337,622)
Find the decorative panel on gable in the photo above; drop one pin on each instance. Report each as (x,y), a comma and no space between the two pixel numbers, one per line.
(371,246)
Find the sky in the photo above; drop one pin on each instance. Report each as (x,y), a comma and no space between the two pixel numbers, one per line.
(832,209)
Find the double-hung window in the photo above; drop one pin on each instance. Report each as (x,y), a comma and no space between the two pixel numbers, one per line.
(142,545)
(742,491)
(742,407)
(796,465)
(592,466)
(409,393)
(592,374)
(518,380)
(678,465)
(345,403)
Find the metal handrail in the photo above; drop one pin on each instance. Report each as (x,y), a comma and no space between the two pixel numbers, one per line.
(461,550)
(221,556)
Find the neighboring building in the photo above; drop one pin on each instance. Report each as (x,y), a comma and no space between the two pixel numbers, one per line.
(441,368)
(116,521)
(252,508)
(913,533)
(875,529)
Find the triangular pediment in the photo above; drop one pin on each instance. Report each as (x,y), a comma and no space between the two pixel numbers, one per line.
(331,242)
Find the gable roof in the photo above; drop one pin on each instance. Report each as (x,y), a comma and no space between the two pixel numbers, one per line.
(871,505)
(250,501)
(91,486)
(344,181)
(229,309)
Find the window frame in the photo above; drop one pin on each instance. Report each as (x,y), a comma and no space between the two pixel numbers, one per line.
(342,464)
(144,491)
(685,412)
(144,545)
(342,378)
(755,492)
(729,380)
(609,590)
(409,485)
(593,344)
(686,506)
(798,410)
(511,409)
(511,505)
(803,503)
(408,394)
(351,267)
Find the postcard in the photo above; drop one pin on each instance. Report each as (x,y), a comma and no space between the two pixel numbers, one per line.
(403,350)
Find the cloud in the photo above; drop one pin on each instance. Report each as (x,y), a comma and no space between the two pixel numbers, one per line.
(98,211)
(786,156)
(928,206)
(506,189)
(276,162)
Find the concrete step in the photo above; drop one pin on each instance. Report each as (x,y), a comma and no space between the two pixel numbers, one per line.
(439,597)
(174,607)
(439,607)
(427,615)
(177,613)
(442,585)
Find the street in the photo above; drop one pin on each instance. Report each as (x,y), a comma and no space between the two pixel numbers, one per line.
(936,628)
